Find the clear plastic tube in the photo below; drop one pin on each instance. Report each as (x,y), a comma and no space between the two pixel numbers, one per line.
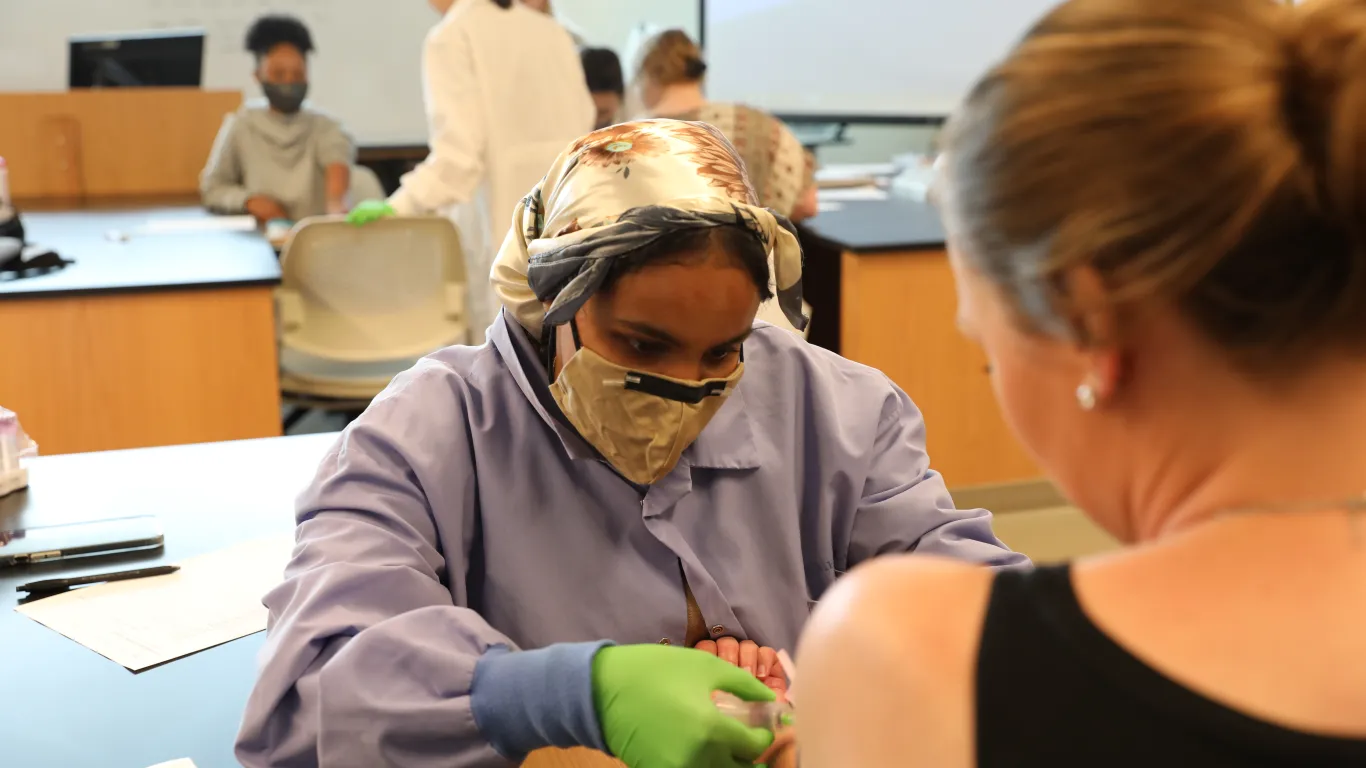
(4,185)
(9,441)
(755,714)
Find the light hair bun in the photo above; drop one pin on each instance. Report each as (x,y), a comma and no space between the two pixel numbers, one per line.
(672,57)
(1326,100)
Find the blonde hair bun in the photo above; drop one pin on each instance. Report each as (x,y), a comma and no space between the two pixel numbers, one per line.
(1326,102)
(672,57)
(1205,154)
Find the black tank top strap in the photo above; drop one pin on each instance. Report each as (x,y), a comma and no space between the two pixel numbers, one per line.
(1054,690)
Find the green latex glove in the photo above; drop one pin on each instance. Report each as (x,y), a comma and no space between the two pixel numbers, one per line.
(370,210)
(655,707)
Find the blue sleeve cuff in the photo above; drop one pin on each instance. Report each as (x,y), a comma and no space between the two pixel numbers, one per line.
(526,700)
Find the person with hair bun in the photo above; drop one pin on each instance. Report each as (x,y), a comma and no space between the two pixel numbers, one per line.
(279,158)
(1156,213)
(670,77)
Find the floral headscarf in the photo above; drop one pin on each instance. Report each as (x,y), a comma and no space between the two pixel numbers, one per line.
(776,163)
(622,188)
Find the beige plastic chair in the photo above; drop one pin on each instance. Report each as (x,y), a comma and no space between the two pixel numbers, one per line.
(365,185)
(361,304)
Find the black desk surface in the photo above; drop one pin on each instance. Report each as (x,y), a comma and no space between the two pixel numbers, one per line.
(895,224)
(104,264)
(66,706)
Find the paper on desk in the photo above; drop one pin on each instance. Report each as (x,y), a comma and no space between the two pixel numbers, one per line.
(176,225)
(183,762)
(854,171)
(850,194)
(140,623)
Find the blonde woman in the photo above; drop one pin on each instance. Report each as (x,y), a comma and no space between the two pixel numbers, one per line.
(1157,217)
(670,79)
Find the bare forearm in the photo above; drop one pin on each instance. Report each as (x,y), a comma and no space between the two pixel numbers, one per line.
(337,184)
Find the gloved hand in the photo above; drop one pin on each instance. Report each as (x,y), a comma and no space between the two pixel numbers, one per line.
(370,210)
(655,708)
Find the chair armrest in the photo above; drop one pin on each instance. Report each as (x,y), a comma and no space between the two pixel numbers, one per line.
(289,308)
(455,301)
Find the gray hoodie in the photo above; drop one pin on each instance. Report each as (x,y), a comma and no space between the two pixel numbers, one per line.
(260,152)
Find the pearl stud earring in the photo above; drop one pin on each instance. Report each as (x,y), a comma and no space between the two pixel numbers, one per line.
(1086,397)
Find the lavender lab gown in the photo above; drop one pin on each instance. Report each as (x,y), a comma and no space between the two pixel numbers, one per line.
(457,514)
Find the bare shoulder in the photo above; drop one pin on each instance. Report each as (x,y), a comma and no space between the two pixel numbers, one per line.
(887,665)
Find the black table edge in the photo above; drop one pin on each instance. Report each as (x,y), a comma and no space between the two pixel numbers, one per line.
(66,293)
(877,248)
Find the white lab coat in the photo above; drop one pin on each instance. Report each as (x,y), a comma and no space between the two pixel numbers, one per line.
(505,94)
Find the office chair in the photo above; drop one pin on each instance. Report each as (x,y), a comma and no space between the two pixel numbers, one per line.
(361,304)
(365,185)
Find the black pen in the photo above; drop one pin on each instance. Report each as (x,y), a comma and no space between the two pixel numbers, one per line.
(57,585)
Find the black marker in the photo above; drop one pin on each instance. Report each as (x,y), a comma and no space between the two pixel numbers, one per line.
(57,585)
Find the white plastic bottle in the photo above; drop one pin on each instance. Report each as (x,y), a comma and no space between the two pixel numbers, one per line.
(6,208)
(9,442)
(12,476)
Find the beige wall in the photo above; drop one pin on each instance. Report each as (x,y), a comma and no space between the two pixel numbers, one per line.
(1052,535)
(1033,518)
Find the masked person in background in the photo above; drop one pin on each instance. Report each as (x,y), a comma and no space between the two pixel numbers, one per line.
(630,459)
(279,159)
(505,93)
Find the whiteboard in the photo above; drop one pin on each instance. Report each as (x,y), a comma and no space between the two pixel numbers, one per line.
(367,70)
(623,24)
(879,57)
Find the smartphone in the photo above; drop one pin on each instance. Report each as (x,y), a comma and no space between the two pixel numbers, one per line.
(22,546)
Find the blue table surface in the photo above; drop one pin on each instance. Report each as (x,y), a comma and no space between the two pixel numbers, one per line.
(894,224)
(105,262)
(66,706)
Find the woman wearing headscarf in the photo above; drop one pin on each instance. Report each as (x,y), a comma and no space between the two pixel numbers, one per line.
(631,459)
(669,80)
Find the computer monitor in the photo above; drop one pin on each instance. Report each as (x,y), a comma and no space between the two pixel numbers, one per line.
(169,58)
